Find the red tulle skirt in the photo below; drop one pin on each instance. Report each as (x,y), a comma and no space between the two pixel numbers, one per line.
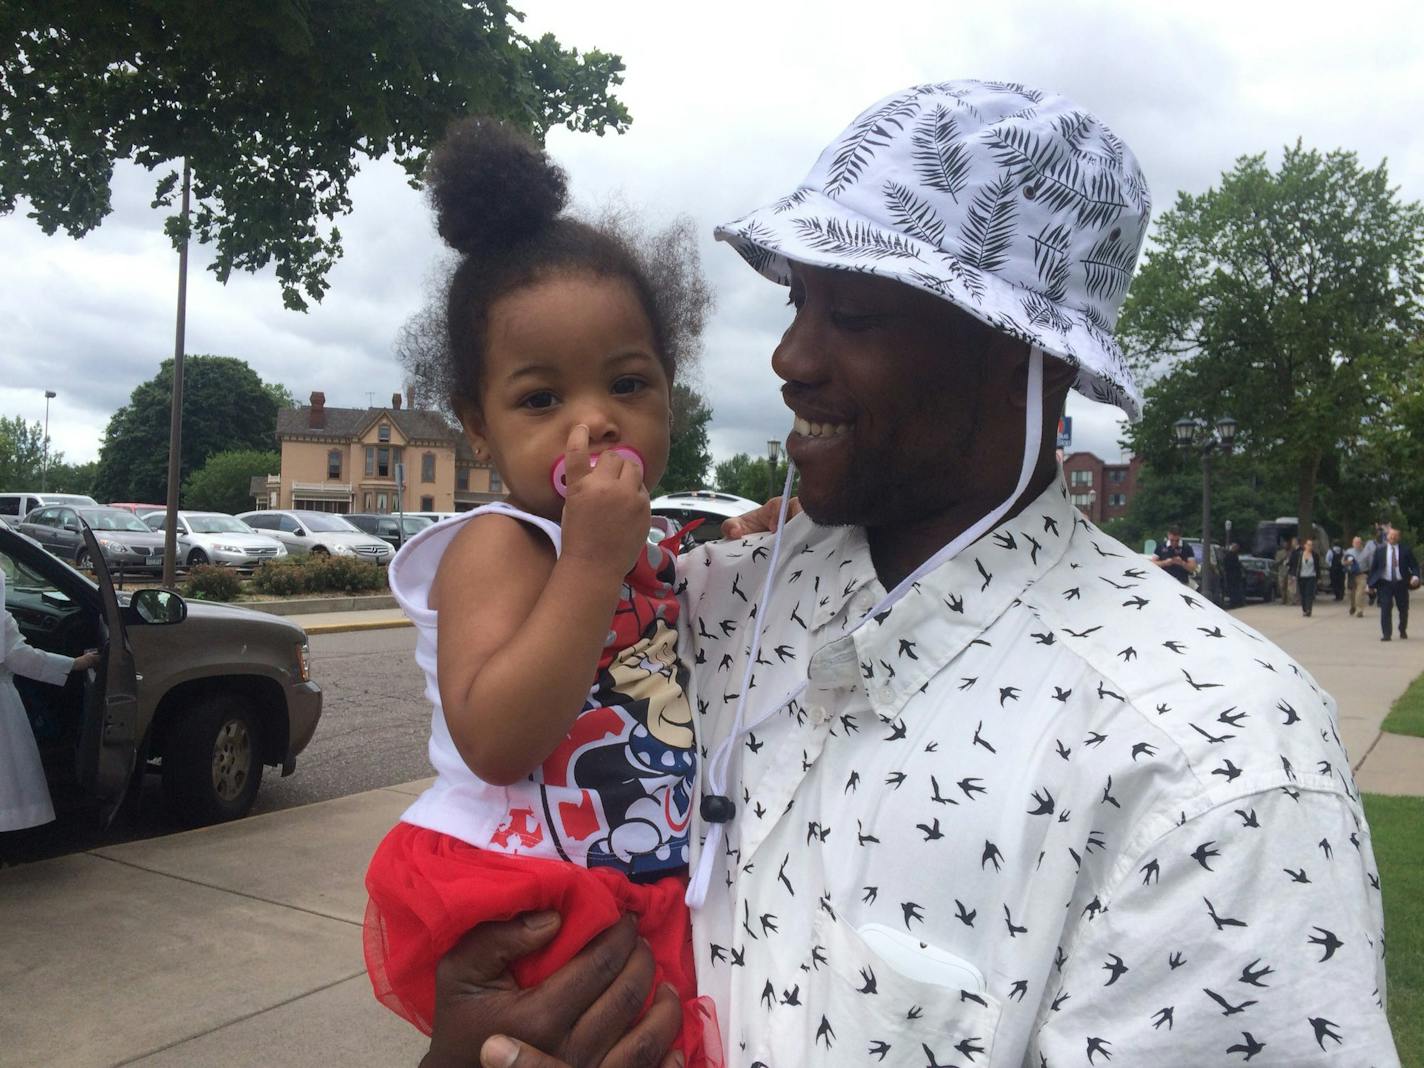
(427,889)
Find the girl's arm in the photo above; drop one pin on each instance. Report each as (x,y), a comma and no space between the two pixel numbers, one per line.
(521,634)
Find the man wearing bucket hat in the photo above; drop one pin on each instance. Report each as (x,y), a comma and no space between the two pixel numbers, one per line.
(978,788)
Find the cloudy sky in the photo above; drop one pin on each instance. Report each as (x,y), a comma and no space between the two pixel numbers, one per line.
(732,103)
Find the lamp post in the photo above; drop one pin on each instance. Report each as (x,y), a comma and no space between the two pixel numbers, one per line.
(44,456)
(1190,434)
(773,453)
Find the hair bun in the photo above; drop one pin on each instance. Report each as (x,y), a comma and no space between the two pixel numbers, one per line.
(492,186)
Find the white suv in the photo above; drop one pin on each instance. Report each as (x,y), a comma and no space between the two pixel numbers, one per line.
(318,532)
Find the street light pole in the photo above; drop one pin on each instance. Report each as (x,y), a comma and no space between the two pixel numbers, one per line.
(773,452)
(44,458)
(175,420)
(1196,434)
(1210,587)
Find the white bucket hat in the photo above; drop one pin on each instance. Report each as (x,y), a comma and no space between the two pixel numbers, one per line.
(1012,203)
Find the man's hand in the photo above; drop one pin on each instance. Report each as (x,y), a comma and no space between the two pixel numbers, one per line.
(581,1016)
(607,513)
(89,660)
(761,520)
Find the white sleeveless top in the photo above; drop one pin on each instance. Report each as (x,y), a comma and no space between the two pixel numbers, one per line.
(615,792)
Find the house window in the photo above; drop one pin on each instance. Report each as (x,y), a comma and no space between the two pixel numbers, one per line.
(383,503)
(1117,476)
(1117,500)
(370,503)
(384,433)
(1081,478)
(370,460)
(1081,500)
(496,486)
(427,468)
(333,464)
(383,462)
(462,478)
(427,504)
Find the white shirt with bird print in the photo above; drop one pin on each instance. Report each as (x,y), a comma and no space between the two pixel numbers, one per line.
(1049,809)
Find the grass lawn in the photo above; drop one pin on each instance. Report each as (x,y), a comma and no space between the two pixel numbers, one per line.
(1397,826)
(1407,714)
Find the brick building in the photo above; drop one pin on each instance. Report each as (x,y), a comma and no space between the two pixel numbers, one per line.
(1100,490)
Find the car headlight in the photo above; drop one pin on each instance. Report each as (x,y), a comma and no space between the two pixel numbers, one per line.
(304,660)
(113,546)
(343,549)
(281,549)
(228,548)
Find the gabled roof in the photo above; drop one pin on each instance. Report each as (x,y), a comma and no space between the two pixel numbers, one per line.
(347,424)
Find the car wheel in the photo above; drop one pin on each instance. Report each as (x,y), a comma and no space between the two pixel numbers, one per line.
(212,763)
(319,550)
(81,560)
(197,557)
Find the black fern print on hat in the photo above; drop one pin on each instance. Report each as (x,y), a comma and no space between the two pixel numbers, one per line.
(1010,202)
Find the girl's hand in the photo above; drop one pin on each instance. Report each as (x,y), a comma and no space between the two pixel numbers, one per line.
(607,512)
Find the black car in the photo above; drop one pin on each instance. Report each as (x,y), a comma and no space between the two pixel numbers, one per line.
(391,529)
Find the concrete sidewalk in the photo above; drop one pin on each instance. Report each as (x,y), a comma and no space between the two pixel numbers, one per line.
(242,943)
(356,619)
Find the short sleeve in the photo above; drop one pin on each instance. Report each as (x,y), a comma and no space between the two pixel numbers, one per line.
(1253,932)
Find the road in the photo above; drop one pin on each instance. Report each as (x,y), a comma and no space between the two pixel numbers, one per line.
(373,731)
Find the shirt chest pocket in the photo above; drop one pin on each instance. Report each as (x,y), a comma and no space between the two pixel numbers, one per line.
(865,1011)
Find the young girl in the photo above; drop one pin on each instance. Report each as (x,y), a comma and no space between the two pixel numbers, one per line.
(546,626)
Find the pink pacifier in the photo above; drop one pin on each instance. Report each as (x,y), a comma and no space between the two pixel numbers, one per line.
(560,478)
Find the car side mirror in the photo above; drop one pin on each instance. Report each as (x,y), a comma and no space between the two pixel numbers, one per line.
(159,606)
(299,532)
(71,526)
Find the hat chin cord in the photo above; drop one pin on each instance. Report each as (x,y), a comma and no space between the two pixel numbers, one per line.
(715,785)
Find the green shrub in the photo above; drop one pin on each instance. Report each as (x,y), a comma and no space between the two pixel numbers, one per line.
(280,578)
(343,574)
(207,582)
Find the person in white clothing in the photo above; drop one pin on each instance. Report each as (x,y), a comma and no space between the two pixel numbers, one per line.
(980,787)
(24,795)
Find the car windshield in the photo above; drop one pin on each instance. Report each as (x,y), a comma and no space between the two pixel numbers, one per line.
(324,522)
(414,524)
(19,576)
(112,519)
(217,524)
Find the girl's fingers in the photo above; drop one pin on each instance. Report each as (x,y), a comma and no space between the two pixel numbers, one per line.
(576,462)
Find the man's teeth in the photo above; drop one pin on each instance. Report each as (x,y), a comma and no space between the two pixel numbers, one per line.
(819,430)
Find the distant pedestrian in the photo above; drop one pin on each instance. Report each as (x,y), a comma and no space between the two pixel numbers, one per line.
(1357,575)
(1175,556)
(1235,578)
(1394,574)
(1335,561)
(1305,565)
(1367,561)
(1283,577)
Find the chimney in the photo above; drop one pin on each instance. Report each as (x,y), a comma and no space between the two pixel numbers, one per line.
(410,396)
(395,401)
(316,416)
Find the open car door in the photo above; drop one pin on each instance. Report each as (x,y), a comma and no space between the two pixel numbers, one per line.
(108,742)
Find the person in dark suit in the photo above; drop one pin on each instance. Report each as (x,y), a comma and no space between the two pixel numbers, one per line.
(1393,574)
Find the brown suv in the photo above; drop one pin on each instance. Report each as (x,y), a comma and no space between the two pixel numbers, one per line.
(204,694)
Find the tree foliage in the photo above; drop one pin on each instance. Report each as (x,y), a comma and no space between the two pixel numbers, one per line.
(226,406)
(224,483)
(689,457)
(1286,299)
(22,454)
(750,477)
(273,104)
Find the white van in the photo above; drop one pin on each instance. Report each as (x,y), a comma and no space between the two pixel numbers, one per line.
(19,505)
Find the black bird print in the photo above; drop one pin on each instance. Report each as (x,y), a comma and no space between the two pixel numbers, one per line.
(1227,1009)
(768,922)
(795,616)
(1252,976)
(1108,798)
(1014,930)
(1036,545)
(1228,771)
(1175,961)
(969,1046)
(895,779)
(1213,632)
(1326,941)
(1095,739)
(739,957)
(1324,1029)
(897,731)
(1018,990)
(1074,593)
(988,578)
(852,782)
(878,1049)
(1127,654)
(933,1060)
(784,653)
(932,832)
(907,648)
(979,738)
(736,588)
(1221,921)
(1115,968)
(911,911)
(869,894)
(1062,750)
(970,786)
(1104,693)
(768,994)
(702,631)
(1043,638)
(1324,844)
(1174,646)
(1250,1046)
(725,663)
(1151,872)
(1143,749)
(781,874)
(728,627)
(1060,694)
(867,981)
(935,794)
(1248,819)
(1204,853)
(753,745)
(954,604)
(991,853)
(1199,686)
(1231,717)
(1083,633)
(1096,1046)
(1136,601)
(1291,716)
(1007,693)
(967,681)
(1050,525)
(1162,1016)
(963,916)
(718,953)
(1043,806)
(1163,708)
(1005,539)
(1297,876)
(1059,999)
(792,996)
(1212,738)
(760,552)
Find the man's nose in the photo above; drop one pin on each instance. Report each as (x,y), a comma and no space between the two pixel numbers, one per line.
(800,355)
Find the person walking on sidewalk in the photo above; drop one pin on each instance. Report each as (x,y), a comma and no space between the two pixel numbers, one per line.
(1175,556)
(1356,576)
(1367,560)
(1283,582)
(1305,566)
(1395,573)
(1335,561)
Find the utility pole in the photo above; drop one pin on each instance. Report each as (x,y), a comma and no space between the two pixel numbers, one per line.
(44,460)
(175,424)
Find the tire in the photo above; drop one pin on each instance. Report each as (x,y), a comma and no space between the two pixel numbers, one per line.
(197,558)
(81,560)
(212,762)
(319,550)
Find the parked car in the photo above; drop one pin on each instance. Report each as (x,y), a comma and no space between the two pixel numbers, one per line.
(215,538)
(16,506)
(139,510)
(392,529)
(710,506)
(5,524)
(1259,578)
(125,540)
(1272,534)
(318,532)
(203,694)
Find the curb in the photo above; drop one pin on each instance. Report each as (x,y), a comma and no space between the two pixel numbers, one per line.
(370,624)
(314,605)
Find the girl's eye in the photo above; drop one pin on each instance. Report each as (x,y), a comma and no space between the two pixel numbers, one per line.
(541,399)
(628,384)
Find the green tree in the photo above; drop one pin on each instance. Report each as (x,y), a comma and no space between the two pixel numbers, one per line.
(225,406)
(689,457)
(749,477)
(22,454)
(223,484)
(72,478)
(1284,299)
(280,394)
(271,103)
